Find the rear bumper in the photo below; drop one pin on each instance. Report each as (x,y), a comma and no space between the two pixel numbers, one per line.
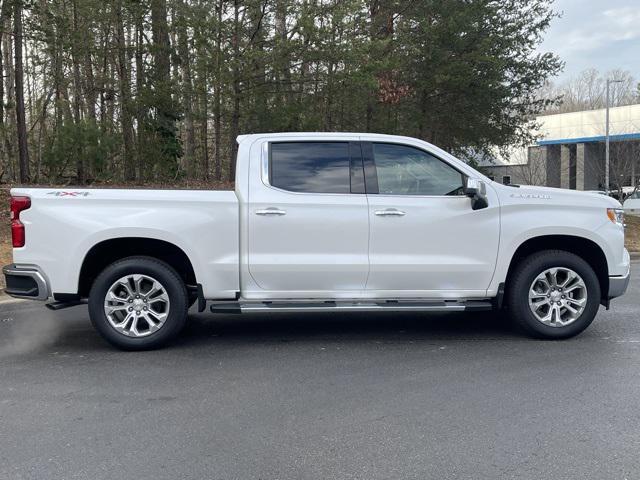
(26,281)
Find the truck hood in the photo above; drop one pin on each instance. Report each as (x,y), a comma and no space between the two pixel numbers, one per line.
(562,196)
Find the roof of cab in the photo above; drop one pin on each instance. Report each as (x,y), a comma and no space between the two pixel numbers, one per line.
(242,138)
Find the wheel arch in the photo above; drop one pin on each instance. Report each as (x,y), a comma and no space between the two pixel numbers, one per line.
(108,251)
(585,248)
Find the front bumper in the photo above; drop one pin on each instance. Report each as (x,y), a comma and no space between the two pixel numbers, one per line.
(26,281)
(618,285)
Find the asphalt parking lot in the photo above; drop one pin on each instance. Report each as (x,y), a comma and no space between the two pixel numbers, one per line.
(316,396)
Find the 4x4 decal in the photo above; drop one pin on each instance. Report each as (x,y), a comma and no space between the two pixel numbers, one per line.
(68,194)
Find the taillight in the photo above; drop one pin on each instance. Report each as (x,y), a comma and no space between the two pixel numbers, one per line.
(18,204)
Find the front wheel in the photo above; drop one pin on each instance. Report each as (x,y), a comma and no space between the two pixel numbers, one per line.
(553,294)
(138,303)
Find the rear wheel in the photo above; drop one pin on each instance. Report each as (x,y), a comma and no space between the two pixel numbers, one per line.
(138,303)
(553,294)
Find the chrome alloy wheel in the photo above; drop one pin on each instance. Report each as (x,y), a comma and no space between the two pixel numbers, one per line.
(136,305)
(557,297)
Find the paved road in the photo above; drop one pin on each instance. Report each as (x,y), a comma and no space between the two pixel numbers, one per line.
(315,396)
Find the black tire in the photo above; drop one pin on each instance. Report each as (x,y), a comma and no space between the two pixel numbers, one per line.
(158,270)
(517,295)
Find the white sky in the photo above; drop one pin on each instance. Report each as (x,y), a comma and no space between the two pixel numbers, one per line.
(597,34)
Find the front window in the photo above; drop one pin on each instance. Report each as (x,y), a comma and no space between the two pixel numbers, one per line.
(404,170)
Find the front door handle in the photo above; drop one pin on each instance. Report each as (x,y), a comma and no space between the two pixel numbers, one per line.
(271,211)
(390,212)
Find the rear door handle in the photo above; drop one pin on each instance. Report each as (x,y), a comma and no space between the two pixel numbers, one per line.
(271,211)
(390,212)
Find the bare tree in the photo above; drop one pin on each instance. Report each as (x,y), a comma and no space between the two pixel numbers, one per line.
(623,165)
(587,91)
(23,149)
(530,169)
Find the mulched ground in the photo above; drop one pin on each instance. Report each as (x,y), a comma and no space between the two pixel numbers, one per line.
(632,233)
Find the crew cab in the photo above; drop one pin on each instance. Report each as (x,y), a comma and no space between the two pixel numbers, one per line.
(321,222)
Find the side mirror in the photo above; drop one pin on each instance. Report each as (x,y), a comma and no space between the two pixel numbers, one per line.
(477,191)
(472,187)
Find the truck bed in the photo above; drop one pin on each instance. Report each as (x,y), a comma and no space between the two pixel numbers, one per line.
(66,223)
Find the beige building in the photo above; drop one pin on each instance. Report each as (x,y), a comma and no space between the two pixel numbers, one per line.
(570,151)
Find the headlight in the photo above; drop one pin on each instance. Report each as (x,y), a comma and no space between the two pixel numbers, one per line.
(616,215)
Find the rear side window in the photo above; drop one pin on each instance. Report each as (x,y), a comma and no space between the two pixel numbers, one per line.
(404,170)
(310,167)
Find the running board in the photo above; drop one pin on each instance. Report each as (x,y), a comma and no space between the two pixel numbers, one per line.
(353,306)
(64,304)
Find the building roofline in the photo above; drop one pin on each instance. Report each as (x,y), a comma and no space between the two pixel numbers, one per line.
(595,139)
(620,107)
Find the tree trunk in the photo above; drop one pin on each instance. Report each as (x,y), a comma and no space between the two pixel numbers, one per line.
(90,86)
(163,102)
(187,92)
(217,95)
(90,94)
(5,159)
(204,132)
(381,17)
(77,96)
(235,116)
(23,149)
(140,112)
(281,34)
(11,95)
(160,32)
(102,77)
(125,97)
(203,109)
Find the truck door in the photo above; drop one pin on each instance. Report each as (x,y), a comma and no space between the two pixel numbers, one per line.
(425,239)
(308,221)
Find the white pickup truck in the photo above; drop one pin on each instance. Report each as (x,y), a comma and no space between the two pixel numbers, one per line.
(321,222)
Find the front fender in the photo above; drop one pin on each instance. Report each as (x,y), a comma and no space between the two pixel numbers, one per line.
(522,223)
